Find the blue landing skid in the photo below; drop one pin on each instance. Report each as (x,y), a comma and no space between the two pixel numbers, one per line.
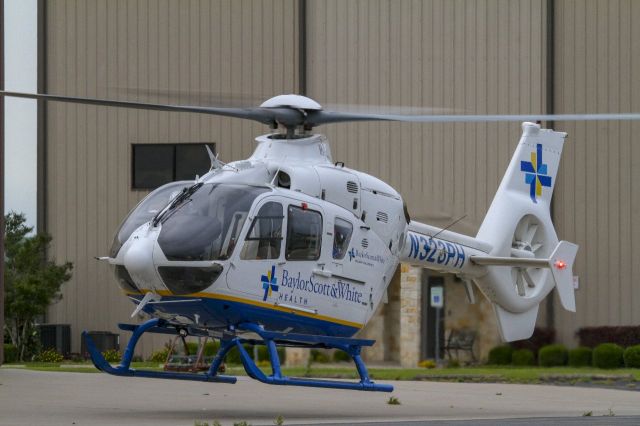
(124,369)
(270,339)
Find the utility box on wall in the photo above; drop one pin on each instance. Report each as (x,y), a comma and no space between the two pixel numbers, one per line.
(56,336)
(104,341)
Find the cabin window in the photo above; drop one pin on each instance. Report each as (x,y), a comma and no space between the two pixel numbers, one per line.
(304,234)
(342,231)
(265,235)
(157,164)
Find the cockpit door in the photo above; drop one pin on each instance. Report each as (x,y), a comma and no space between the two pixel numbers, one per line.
(254,265)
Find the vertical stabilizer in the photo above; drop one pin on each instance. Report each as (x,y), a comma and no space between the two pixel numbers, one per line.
(520,268)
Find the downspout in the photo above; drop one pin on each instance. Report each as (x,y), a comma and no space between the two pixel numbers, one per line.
(550,101)
(302,47)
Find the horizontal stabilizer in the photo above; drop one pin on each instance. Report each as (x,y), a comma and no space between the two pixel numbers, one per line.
(516,262)
(560,263)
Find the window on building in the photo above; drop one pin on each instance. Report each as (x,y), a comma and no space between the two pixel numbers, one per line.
(304,234)
(265,235)
(157,164)
(342,230)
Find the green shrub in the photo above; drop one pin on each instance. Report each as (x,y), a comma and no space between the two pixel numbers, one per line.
(580,357)
(319,356)
(632,357)
(552,356)
(10,353)
(542,336)
(453,363)
(112,355)
(159,356)
(211,348)
(608,355)
(341,356)
(522,357)
(49,355)
(233,356)
(427,363)
(191,346)
(500,355)
(625,336)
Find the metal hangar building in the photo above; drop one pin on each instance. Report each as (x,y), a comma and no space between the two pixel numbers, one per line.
(482,57)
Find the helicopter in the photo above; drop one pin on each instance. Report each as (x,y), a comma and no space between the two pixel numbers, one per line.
(289,248)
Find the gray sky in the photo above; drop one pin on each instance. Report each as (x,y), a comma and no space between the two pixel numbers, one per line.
(21,47)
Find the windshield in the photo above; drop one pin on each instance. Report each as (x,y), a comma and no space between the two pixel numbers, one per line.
(205,225)
(149,207)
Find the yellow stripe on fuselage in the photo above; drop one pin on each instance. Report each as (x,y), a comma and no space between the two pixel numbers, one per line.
(218,296)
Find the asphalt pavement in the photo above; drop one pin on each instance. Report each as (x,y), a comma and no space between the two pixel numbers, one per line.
(55,398)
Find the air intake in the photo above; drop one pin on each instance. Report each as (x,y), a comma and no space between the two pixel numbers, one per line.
(382,217)
(352,187)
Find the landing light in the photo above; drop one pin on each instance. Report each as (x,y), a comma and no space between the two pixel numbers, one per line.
(559,264)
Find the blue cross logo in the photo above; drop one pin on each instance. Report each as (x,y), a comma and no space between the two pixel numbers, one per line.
(269,282)
(352,254)
(535,173)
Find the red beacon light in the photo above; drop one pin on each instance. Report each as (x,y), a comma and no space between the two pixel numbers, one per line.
(559,264)
(304,206)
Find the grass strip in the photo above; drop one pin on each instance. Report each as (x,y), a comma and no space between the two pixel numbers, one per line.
(463,374)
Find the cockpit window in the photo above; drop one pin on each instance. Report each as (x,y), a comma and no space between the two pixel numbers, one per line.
(264,238)
(304,234)
(149,207)
(342,230)
(205,225)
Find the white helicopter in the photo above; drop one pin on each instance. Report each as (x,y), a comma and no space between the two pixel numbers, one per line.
(288,248)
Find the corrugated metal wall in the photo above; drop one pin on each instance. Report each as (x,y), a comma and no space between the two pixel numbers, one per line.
(98,48)
(486,56)
(482,57)
(463,56)
(597,203)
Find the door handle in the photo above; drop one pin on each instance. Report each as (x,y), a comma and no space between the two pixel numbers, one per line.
(323,273)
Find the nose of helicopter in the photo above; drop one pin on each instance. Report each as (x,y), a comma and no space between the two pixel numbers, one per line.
(138,260)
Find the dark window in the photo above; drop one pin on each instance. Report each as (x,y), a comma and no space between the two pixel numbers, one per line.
(204,225)
(150,206)
(265,235)
(157,164)
(304,234)
(124,280)
(342,230)
(188,279)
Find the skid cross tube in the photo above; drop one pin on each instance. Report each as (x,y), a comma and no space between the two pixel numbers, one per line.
(124,369)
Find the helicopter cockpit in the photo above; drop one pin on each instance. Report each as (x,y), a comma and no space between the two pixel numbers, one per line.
(206,224)
(197,222)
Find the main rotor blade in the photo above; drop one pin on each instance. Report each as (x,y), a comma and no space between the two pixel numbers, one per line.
(268,116)
(316,118)
(291,117)
(390,109)
(200,98)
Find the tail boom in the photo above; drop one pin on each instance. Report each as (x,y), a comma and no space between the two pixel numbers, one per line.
(516,258)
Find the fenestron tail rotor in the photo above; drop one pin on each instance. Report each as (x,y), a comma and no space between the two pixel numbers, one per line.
(526,244)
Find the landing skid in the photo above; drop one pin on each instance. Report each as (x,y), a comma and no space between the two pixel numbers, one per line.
(270,339)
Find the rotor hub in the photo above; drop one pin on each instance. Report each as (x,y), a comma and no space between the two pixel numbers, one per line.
(292,101)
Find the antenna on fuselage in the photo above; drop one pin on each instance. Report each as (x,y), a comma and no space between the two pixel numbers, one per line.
(448,226)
